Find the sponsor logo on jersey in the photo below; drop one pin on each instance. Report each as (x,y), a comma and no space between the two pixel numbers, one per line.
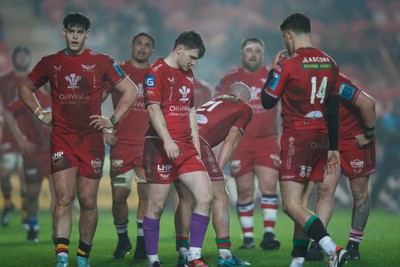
(315,114)
(191,79)
(140,90)
(89,68)
(149,81)
(57,155)
(254,92)
(316,63)
(73,80)
(117,163)
(201,119)
(96,163)
(346,91)
(57,68)
(357,165)
(316,60)
(171,80)
(274,81)
(65,97)
(117,68)
(305,171)
(184,92)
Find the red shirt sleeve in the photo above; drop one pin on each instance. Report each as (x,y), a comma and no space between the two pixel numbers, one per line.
(279,79)
(113,72)
(152,88)
(39,75)
(244,118)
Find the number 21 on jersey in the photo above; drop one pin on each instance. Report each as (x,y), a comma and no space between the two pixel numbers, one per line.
(321,90)
(209,106)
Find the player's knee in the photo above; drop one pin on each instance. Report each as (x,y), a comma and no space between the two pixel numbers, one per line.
(325,193)
(64,200)
(123,180)
(359,195)
(87,203)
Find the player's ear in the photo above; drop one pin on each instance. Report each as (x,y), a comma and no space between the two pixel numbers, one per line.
(87,34)
(179,49)
(64,33)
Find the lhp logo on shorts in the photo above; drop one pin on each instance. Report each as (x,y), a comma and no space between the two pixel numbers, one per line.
(97,164)
(57,158)
(164,170)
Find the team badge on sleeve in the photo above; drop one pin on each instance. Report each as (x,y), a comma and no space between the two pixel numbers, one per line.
(274,80)
(149,81)
(346,91)
(117,68)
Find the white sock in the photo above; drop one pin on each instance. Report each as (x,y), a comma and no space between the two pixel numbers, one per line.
(327,244)
(297,262)
(63,254)
(194,254)
(153,258)
(225,254)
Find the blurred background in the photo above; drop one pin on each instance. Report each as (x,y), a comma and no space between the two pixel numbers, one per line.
(362,36)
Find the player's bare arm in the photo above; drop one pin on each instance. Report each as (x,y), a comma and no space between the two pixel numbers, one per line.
(366,105)
(129,94)
(25,93)
(195,132)
(158,122)
(24,144)
(229,146)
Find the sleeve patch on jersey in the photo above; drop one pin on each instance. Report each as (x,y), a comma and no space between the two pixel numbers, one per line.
(117,68)
(201,119)
(274,81)
(149,81)
(346,91)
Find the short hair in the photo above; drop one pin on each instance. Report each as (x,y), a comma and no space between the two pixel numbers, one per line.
(20,49)
(251,39)
(76,19)
(191,40)
(297,22)
(240,90)
(144,34)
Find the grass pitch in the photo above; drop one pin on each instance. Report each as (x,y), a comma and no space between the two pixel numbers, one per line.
(381,245)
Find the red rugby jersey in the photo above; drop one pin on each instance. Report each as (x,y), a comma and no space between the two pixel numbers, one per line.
(77,84)
(304,81)
(172,89)
(216,117)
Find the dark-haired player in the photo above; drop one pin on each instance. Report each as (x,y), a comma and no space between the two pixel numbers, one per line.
(172,148)
(126,156)
(77,78)
(258,150)
(305,83)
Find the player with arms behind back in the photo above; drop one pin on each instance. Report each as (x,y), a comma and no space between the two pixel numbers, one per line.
(304,81)
(77,77)
(126,155)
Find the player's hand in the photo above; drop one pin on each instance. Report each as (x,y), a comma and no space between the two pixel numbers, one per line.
(46,117)
(362,141)
(172,150)
(26,146)
(278,57)
(333,162)
(110,139)
(100,122)
(275,158)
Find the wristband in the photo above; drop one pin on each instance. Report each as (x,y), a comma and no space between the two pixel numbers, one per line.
(38,110)
(41,115)
(113,120)
(108,130)
(369,129)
